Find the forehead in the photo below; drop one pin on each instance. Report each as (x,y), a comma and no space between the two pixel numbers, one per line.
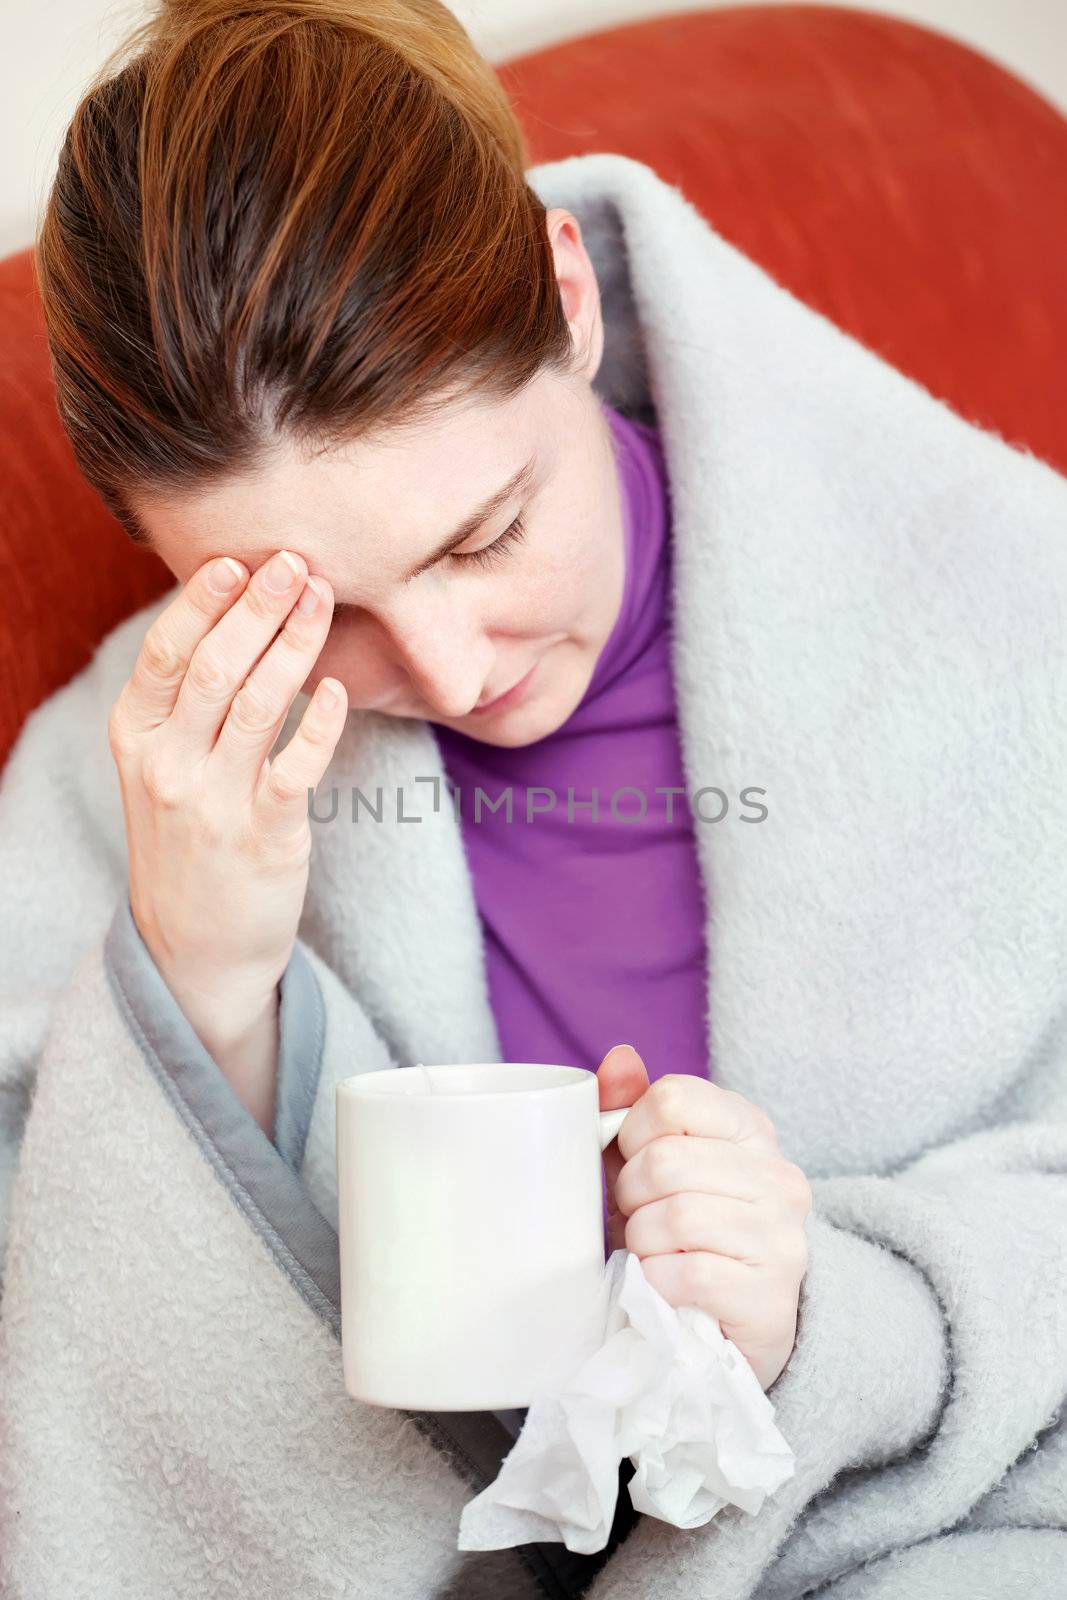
(368,507)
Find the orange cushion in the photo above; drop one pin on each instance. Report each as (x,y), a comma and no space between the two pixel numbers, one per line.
(902,184)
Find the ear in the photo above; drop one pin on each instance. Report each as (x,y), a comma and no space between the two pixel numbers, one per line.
(579,291)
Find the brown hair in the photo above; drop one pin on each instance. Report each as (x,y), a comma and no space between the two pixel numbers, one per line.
(298,217)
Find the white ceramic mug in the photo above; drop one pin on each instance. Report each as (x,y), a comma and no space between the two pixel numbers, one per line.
(471,1231)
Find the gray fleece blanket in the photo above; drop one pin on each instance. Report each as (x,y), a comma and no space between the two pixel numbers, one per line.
(870,602)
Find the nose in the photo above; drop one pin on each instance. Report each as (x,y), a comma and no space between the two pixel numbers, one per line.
(446,659)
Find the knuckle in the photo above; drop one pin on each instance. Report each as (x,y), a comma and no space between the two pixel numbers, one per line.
(284,786)
(250,710)
(261,604)
(295,637)
(159,656)
(797,1186)
(162,784)
(790,1259)
(207,675)
(660,1162)
(698,1274)
(681,1220)
(316,732)
(668,1097)
(764,1123)
(748,1112)
(119,735)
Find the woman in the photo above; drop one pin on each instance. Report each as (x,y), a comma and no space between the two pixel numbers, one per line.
(379,460)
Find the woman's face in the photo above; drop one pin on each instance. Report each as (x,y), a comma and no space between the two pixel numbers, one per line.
(532,592)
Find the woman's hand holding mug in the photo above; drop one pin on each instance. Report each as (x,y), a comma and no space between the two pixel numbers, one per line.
(218,836)
(700,1192)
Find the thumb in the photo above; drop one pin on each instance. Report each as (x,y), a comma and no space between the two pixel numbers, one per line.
(621,1077)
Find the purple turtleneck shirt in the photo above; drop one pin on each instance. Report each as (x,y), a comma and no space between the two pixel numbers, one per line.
(594,929)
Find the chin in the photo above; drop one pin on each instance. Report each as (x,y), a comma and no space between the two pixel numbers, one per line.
(523,725)
(504,739)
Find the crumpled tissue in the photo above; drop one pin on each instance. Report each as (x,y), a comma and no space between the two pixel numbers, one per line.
(667,1389)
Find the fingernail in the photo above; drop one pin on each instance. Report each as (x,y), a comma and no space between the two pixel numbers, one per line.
(309,599)
(281,569)
(225,575)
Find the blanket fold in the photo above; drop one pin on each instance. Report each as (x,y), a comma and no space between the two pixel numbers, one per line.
(151,1388)
(870,606)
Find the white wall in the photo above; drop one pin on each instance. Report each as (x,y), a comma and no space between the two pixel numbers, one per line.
(53,46)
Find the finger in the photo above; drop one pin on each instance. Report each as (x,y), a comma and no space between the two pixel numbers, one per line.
(616,1239)
(150,695)
(694,1221)
(226,656)
(680,1102)
(260,706)
(300,766)
(621,1077)
(729,1290)
(675,1163)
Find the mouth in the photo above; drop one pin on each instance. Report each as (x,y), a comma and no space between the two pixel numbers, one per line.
(508,698)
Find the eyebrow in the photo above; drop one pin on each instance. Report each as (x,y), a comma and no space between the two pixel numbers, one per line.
(477,518)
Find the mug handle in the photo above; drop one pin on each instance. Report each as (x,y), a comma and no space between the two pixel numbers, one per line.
(610,1123)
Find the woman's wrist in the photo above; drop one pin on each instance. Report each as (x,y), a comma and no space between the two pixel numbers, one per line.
(241,1037)
(249,1062)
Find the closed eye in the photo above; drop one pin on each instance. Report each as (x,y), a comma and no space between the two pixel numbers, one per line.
(486,557)
(491,553)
